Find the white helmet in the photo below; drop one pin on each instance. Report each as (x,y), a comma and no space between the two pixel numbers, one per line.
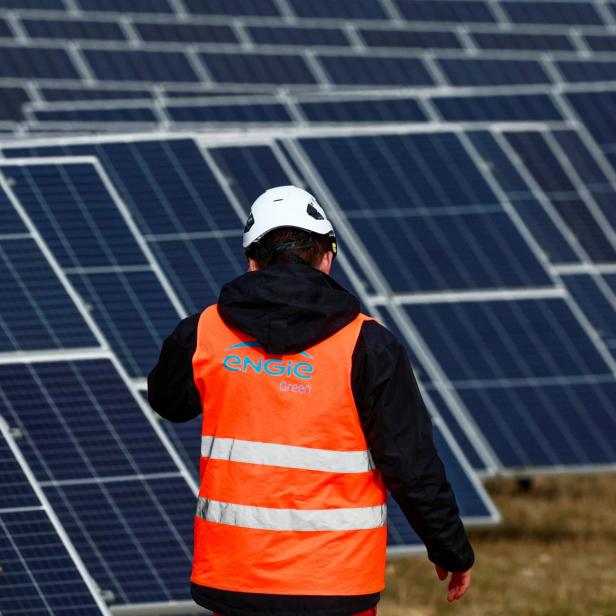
(286,206)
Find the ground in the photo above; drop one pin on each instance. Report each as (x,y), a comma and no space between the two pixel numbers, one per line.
(553,555)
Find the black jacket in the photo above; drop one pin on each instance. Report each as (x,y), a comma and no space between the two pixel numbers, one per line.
(287,308)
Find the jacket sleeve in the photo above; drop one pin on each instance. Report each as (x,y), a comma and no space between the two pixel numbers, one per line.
(171,386)
(398,430)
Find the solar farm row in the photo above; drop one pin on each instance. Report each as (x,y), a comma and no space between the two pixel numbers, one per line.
(77,274)
(511,246)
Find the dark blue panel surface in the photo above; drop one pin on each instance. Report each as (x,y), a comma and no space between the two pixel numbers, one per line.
(126,6)
(479,250)
(36,62)
(257,68)
(553,179)
(37,312)
(400,171)
(15,488)
(445,10)
(38,575)
(593,295)
(552,12)
(113,115)
(135,65)
(230,113)
(264,8)
(425,213)
(167,185)
(270,35)
(75,214)
(598,112)
(250,171)
(53,94)
(46,5)
(521,339)
(536,218)
(5,31)
(547,425)
(514,40)
(10,222)
(185,32)
(440,407)
(135,537)
(198,268)
(368,110)
(133,312)
(343,9)
(587,70)
(79,421)
(11,101)
(186,438)
(73,29)
(494,108)
(410,39)
(492,72)
(376,70)
(600,42)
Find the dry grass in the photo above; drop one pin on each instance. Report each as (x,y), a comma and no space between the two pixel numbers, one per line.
(553,555)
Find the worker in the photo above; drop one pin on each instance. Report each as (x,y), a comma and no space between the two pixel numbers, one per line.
(311,415)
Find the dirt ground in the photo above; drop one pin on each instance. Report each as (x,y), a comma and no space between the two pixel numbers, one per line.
(553,555)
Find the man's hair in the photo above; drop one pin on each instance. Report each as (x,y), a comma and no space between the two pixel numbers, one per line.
(287,244)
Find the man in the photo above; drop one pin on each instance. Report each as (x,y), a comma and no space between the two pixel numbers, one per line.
(310,414)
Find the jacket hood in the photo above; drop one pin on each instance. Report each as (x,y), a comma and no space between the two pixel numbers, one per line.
(287,307)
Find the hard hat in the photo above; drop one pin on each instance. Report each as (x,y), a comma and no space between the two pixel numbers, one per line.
(286,206)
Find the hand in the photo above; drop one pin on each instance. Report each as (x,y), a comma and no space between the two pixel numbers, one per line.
(459,583)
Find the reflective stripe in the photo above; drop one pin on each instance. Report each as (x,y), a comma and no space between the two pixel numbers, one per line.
(287,456)
(268,518)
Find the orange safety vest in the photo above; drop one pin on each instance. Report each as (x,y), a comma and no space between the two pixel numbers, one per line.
(289,501)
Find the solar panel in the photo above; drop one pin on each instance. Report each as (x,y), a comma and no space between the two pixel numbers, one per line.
(569,13)
(73,29)
(598,112)
(427,233)
(523,41)
(529,375)
(36,62)
(492,72)
(376,70)
(137,65)
(123,501)
(39,573)
(258,68)
(497,108)
(587,70)
(268,35)
(542,224)
(96,115)
(185,32)
(446,10)
(364,111)
(5,31)
(263,8)
(557,183)
(126,6)
(595,297)
(343,9)
(46,5)
(85,231)
(600,42)
(225,113)
(410,39)
(83,93)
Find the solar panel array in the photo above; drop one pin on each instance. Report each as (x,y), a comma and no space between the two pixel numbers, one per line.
(465,151)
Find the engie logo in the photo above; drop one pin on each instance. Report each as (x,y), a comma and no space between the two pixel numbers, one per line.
(272,367)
